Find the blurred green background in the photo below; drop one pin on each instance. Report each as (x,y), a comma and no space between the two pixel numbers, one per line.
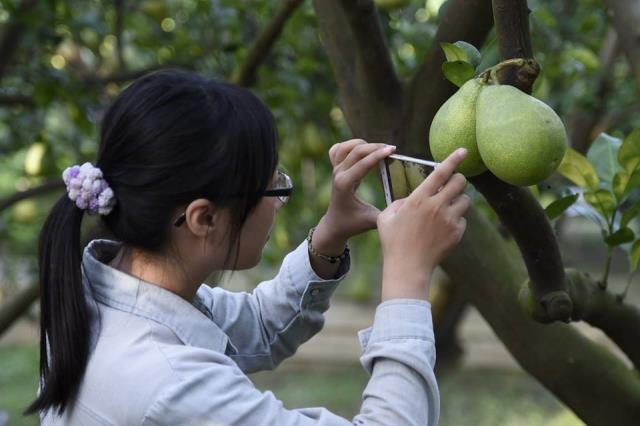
(72,58)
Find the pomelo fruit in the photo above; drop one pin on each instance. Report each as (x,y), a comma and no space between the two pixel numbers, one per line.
(520,138)
(454,126)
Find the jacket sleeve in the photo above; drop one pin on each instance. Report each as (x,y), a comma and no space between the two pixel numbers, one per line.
(267,325)
(398,353)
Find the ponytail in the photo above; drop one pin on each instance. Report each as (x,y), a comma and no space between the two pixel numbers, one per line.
(64,317)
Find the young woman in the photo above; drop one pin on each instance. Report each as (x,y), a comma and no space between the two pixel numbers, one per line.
(186,181)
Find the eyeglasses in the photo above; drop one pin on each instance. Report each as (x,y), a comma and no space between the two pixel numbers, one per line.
(282,189)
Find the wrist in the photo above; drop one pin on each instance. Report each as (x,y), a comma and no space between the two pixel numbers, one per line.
(326,240)
(404,282)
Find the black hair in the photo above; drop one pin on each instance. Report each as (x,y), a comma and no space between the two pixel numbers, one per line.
(167,139)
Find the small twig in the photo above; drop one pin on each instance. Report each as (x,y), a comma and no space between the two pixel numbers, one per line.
(32,192)
(246,74)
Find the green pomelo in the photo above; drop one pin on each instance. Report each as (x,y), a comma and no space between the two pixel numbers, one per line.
(454,126)
(399,186)
(415,173)
(520,138)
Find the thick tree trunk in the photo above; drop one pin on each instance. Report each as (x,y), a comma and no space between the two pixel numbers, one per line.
(595,384)
(626,19)
(600,388)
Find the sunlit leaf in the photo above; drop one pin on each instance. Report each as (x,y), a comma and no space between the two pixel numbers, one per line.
(558,207)
(629,153)
(603,155)
(473,55)
(602,199)
(579,170)
(621,236)
(458,72)
(623,184)
(454,53)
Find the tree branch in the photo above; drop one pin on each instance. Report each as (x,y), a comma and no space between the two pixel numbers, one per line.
(626,19)
(17,99)
(615,119)
(514,41)
(44,188)
(355,43)
(13,34)
(583,121)
(14,308)
(531,230)
(246,74)
(489,271)
(600,308)
(468,20)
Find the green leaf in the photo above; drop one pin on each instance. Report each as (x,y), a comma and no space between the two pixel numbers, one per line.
(602,199)
(623,184)
(454,53)
(634,256)
(579,170)
(621,236)
(473,55)
(629,153)
(556,208)
(585,56)
(619,184)
(629,214)
(458,72)
(603,155)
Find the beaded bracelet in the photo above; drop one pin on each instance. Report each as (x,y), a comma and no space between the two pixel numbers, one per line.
(330,259)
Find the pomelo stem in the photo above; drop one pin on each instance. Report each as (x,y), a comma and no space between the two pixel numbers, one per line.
(492,73)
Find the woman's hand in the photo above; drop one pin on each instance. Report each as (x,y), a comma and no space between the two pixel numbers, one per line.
(347,214)
(417,232)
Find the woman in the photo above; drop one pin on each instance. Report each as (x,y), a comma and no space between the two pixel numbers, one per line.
(186,180)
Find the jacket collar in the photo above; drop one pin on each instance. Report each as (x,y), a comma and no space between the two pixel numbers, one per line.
(191,322)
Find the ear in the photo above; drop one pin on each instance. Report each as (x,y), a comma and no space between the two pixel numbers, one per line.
(202,217)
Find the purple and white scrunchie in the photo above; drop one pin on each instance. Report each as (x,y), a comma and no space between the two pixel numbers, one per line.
(87,187)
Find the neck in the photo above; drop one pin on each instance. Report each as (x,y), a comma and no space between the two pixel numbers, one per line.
(158,271)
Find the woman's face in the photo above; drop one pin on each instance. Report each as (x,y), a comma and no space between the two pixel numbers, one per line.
(256,231)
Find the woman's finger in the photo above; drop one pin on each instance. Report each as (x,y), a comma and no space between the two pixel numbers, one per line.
(359,170)
(460,205)
(359,152)
(440,176)
(338,152)
(453,188)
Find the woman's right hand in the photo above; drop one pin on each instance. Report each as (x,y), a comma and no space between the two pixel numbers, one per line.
(418,231)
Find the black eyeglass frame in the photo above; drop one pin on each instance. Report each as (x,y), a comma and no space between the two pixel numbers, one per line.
(283,195)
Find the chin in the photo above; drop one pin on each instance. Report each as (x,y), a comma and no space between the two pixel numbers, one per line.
(244,264)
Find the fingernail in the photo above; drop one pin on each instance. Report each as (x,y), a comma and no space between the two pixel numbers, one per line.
(461,152)
(390,148)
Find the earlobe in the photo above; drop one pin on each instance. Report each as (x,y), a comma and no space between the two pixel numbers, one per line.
(201,217)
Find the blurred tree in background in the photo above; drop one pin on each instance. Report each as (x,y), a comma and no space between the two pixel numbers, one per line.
(329,70)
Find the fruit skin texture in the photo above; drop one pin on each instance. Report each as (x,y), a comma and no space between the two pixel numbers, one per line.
(399,185)
(454,126)
(520,138)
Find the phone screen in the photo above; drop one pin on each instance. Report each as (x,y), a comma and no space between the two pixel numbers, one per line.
(401,175)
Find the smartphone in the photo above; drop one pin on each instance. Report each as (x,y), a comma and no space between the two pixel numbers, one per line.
(401,175)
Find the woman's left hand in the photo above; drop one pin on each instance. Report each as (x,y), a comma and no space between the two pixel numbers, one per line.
(347,214)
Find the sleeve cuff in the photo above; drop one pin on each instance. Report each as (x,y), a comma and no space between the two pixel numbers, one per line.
(399,319)
(302,275)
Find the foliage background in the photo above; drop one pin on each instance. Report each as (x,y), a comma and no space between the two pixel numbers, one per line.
(71,61)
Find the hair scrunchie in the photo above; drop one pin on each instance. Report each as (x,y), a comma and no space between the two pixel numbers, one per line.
(88,189)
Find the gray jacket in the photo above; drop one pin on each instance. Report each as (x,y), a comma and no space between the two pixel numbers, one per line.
(159,360)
